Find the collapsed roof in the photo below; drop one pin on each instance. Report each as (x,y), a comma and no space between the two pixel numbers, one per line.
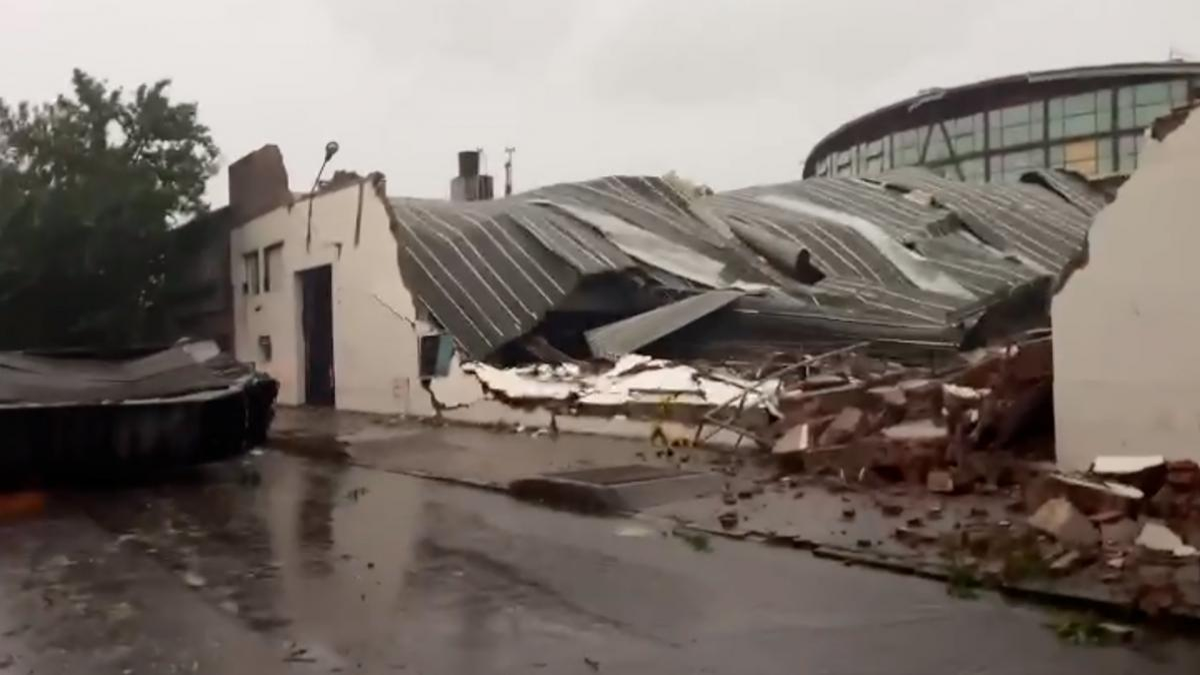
(904,258)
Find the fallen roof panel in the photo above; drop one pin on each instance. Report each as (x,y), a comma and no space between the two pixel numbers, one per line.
(629,335)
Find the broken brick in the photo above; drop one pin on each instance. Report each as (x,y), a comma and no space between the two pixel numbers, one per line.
(940,481)
(1183,475)
(923,398)
(849,423)
(797,439)
(1060,519)
(1065,562)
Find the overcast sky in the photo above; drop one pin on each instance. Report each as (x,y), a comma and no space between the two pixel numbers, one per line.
(727,92)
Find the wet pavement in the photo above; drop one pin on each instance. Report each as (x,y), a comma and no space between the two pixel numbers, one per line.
(284,564)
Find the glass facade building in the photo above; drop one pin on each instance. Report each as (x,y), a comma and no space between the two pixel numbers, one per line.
(1090,120)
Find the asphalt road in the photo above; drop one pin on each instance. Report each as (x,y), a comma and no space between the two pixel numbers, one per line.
(280,564)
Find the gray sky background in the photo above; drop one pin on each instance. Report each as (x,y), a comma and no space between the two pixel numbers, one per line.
(725,92)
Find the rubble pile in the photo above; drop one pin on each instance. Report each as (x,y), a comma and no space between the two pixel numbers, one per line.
(953,431)
(635,385)
(1127,530)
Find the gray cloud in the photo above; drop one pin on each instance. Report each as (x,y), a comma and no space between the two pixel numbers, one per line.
(726,92)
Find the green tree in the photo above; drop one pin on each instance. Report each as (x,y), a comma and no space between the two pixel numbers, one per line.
(90,184)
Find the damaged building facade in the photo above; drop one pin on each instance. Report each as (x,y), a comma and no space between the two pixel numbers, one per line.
(353,298)
(1125,376)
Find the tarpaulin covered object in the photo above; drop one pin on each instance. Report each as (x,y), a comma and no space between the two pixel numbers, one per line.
(78,414)
(907,256)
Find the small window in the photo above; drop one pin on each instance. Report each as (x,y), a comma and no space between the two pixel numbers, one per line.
(250,283)
(272,275)
(435,352)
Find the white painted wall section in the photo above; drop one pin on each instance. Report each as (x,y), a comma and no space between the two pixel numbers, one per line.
(375,330)
(1127,325)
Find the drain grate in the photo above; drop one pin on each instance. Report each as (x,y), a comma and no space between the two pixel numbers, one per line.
(615,489)
(619,475)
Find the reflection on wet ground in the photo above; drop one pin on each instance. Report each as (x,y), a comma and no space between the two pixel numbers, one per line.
(279,564)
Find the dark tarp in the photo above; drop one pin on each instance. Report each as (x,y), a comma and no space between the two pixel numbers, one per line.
(190,368)
(81,417)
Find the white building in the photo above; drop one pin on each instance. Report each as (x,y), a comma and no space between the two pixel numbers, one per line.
(319,303)
(1126,372)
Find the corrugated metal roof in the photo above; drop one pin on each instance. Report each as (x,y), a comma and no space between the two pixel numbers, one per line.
(906,254)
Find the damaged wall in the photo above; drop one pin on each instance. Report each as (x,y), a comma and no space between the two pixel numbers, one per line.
(375,330)
(1126,372)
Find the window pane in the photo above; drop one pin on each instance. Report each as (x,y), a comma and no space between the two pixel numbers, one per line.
(1057,155)
(1080,151)
(1179,92)
(937,147)
(1125,118)
(1055,106)
(1079,126)
(1014,115)
(1015,136)
(1086,167)
(1155,92)
(272,272)
(1130,148)
(1056,128)
(251,279)
(972,169)
(1077,105)
(1145,115)
(1105,164)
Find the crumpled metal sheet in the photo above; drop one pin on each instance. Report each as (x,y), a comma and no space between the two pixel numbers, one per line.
(907,255)
(1043,230)
(629,335)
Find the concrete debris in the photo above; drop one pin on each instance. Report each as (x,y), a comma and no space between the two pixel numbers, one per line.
(1119,465)
(1060,519)
(797,439)
(940,481)
(634,378)
(1183,475)
(1096,496)
(194,580)
(728,519)
(919,431)
(1120,533)
(844,428)
(1158,537)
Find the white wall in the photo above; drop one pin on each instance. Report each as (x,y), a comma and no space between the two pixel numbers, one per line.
(1127,326)
(375,333)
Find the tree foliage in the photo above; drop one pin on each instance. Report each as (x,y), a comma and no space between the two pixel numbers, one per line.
(89,186)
